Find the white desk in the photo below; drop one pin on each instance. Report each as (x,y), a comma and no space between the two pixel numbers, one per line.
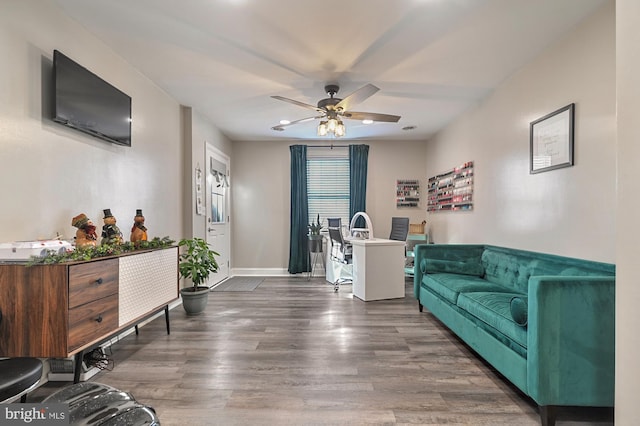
(378,269)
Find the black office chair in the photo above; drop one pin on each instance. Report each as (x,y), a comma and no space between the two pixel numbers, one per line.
(341,251)
(334,222)
(399,228)
(18,376)
(399,231)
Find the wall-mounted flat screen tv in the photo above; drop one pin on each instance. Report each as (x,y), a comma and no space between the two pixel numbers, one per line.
(87,103)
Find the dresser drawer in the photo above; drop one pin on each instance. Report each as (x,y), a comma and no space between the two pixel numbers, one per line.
(92,321)
(92,281)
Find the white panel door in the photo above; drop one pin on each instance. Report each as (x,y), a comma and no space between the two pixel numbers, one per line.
(217,223)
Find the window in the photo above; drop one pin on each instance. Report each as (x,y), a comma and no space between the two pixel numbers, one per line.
(328,183)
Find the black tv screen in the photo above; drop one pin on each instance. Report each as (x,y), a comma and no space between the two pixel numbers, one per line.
(87,103)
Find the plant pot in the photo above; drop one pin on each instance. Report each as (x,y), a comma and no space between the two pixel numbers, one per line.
(194,302)
(315,243)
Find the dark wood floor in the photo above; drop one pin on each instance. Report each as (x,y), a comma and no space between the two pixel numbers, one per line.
(293,352)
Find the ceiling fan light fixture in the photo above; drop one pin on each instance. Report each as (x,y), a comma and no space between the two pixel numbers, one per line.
(285,122)
(322,128)
(331,109)
(332,124)
(333,127)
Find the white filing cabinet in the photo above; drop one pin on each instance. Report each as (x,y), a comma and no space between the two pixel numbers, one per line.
(378,269)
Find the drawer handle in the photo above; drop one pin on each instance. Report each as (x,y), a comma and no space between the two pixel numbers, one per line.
(99,281)
(99,319)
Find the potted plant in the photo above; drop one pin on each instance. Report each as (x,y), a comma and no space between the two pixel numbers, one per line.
(197,262)
(315,239)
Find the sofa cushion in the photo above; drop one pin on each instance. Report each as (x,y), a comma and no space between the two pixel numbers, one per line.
(432,266)
(508,269)
(449,286)
(494,310)
(519,310)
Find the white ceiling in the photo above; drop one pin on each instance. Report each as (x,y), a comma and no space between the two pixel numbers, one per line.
(431,59)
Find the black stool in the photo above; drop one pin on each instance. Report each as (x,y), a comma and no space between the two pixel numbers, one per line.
(18,376)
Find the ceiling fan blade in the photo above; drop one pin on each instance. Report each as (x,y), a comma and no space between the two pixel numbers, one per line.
(356,97)
(281,127)
(387,118)
(302,104)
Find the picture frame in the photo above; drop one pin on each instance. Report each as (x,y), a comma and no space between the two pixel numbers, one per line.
(551,140)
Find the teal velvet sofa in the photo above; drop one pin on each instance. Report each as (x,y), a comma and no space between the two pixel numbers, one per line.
(545,322)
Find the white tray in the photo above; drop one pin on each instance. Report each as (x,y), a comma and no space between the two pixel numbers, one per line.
(23,250)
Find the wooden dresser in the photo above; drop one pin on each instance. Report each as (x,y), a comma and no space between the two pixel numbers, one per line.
(56,311)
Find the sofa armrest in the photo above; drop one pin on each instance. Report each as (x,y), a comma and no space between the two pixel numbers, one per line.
(450,256)
(571,340)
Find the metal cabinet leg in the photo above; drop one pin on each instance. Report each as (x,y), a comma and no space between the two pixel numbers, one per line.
(166,318)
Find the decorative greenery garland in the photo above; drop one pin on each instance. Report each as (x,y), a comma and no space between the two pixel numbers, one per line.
(88,253)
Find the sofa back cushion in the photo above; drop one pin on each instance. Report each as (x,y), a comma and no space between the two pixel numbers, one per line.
(451,258)
(462,267)
(507,269)
(512,268)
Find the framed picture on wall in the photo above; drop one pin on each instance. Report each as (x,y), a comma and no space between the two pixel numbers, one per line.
(551,140)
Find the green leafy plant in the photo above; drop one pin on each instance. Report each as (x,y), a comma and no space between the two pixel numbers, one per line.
(88,253)
(315,228)
(197,261)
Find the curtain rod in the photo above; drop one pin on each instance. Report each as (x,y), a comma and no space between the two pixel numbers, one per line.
(328,146)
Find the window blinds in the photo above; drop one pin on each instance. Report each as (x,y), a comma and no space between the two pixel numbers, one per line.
(328,183)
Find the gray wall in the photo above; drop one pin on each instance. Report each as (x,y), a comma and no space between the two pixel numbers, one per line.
(197,131)
(568,211)
(261,197)
(49,173)
(628,206)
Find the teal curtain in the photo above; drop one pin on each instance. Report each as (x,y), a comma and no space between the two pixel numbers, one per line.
(358,160)
(298,246)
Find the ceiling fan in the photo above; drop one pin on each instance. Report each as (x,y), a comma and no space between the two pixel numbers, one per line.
(331,110)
